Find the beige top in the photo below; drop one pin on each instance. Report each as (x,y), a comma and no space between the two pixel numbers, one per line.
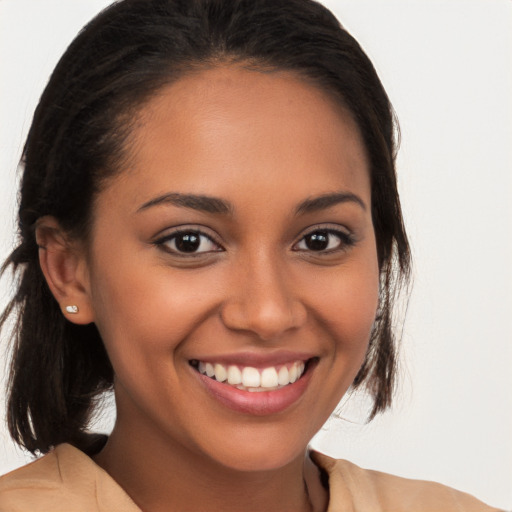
(67,480)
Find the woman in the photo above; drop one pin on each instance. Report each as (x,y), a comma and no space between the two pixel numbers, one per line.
(210,224)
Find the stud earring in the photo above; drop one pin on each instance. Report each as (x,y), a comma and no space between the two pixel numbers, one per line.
(73,309)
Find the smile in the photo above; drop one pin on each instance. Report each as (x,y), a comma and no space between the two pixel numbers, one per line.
(256,385)
(248,378)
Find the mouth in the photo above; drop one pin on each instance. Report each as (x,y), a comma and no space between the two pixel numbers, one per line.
(255,384)
(252,379)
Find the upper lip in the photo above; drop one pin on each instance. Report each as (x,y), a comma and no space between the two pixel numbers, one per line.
(256,359)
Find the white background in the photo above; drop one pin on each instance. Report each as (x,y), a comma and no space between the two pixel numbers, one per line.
(447,68)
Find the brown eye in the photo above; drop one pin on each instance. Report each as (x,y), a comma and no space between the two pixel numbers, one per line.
(324,240)
(318,241)
(188,242)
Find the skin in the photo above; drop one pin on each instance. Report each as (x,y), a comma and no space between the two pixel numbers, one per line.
(265,142)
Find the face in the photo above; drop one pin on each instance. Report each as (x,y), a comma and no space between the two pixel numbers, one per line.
(233,270)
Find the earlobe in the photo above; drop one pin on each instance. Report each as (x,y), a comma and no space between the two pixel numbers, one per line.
(64,266)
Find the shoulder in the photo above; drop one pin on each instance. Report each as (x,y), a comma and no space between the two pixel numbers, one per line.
(374,491)
(63,480)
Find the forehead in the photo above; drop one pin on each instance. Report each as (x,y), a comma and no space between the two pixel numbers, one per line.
(220,130)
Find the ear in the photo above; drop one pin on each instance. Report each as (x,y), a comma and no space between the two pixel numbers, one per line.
(64,265)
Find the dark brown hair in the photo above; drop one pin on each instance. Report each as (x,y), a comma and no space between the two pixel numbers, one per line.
(78,139)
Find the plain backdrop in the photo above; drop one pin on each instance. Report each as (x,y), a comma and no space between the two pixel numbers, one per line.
(446,65)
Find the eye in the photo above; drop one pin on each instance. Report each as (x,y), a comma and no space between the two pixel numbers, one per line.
(188,242)
(324,240)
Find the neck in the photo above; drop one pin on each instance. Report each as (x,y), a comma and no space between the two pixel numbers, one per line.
(162,476)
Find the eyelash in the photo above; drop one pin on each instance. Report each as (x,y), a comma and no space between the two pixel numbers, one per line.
(346,240)
(172,237)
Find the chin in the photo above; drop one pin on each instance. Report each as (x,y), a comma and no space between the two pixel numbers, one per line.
(259,460)
(258,451)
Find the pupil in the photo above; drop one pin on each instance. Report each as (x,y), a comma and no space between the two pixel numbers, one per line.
(318,241)
(188,243)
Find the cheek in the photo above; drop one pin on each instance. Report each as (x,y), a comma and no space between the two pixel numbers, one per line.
(144,311)
(350,306)
(348,310)
(345,311)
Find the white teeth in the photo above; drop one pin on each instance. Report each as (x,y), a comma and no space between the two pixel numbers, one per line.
(234,375)
(269,378)
(293,373)
(209,370)
(220,373)
(251,377)
(283,377)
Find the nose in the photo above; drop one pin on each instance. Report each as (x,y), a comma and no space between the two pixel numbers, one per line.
(263,301)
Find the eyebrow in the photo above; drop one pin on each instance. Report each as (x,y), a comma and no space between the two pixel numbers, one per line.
(195,202)
(210,204)
(322,202)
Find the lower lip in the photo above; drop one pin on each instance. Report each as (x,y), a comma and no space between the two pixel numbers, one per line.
(258,403)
